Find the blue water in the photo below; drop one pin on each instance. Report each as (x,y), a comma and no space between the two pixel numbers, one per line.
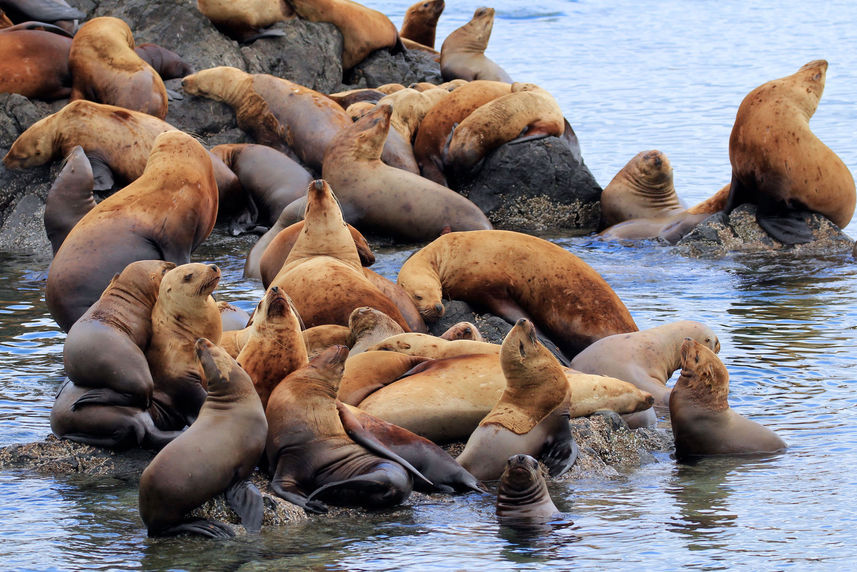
(629,76)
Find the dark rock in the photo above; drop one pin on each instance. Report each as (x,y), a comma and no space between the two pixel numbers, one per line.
(206,119)
(382,67)
(534,186)
(24,228)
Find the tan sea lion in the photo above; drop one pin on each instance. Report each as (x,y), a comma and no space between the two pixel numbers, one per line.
(780,165)
(214,455)
(463,331)
(69,198)
(567,300)
(165,214)
(246,20)
(232,317)
(389,88)
(319,338)
(643,188)
(106,69)
(275,347)
(462,54)
(369,371)
(522,494)
(410,107)
(347,98)
(420,22)
(703,423)
(369,326)
(399,297)
(322,273)
(433,347)
(531,416)
(183,313)
(35,64)
(233,341)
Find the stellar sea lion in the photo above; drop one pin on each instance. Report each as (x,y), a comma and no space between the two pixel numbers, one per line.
(34,63)
(215,454)
(246,20)
(522,494)
(779,164)
(69,198)
(702,421)
(369,326)
(369,371)
(462,54)
(232,317)
(420,22)
(434,347)
(410,107)
(167,63)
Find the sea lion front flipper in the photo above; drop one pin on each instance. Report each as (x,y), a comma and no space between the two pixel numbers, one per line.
(360,435)
(201,527)
(786,226)
(101,172)
(560,450)
(107,396)
(246,500)
(173,95)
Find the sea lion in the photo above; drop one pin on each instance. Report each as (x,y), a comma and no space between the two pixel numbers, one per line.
(410,107)
(183,313)
(435,128)
(163,215)
(703,423)
(434,347)
(53,11)
(5,22)
(215,454)
(462,54)
(69,198)
(399,297)
(167,63)
(463,331)
(420,22)
(531,416)
(369,326)
(313,458)
(232,317)
(780,165)
(347,98)
(275,346)
(34,63)
(322,273)
(647,358)
(246,20)
(363,30)
(319,338)
(567,300)
(106,69)
(522,494)
(369,371)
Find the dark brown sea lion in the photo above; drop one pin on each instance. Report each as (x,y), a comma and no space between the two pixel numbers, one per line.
(214,455)
(522,494)
(69,198)
(703,423)
(167,63)
(780,165)
(420,23)
(246,20)
(34,63)
(462,54)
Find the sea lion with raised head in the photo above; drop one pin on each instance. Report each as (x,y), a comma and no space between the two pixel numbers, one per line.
(420,22)
(369,326)
(462,54)
(69,198)
(522,494)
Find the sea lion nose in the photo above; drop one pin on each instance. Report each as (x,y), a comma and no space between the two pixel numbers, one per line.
(439,308)
(275,289)
(214,267)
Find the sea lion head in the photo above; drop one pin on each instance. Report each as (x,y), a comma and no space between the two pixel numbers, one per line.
(371,131)
(430,9)
(810,85)
(423,285)
(365,319)
(210,83)
(37,145)
(652,168)
(463,331)
(704,378)
(322,208)
(189,281)
(326,369)
(480,26)
(521,473)
(221,375)
(521,345)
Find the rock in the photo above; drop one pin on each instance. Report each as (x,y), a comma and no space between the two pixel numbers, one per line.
(719,235)
(381,67)
(534,186)
(24,229)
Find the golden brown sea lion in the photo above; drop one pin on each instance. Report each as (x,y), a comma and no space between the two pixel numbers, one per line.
(35,64)
(163,215)
(69,198)
(420,23)
(232,317)
(703,423)
(462,54)
(462,331)
(246,20)
(426,345)
(369,326)
(522,494)
(410,107)
(106,69)
(319,338)
(531,416)
(515,275)
(780,165)
(399,297)
(369,371)
(215,454)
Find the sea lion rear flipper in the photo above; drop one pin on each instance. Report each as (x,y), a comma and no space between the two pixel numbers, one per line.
(107,396)
(246,500)
(201,527)
(560,450)
(369,483)
(101,172)
(288,491)
(360,435)
(51,11)
(786,226)
(263,33)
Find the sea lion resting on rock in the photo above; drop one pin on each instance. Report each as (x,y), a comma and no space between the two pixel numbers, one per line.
(462,54)
(167,63)
(246,20)
(35,64)
(215,454)
(703,423)
(522,494)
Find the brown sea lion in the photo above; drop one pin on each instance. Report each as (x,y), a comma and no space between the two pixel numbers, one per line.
(703,423)
(420,23)
(183,313)
(167,63)
(780,165)
(351,96)
(363,30)
(369,326)
(106,69)
(319,338)
(322,273)
(417,344)
(463,331)
(69,198)
(399,297)
(522,494)
(314,459)
(438,123)
(5,22)
(163,215)
(369,371)
(462,54)
(34,63)
(214,455)
(246,20)
(275,347)
(647,358)
(531,416)
(567,300)
(643,188)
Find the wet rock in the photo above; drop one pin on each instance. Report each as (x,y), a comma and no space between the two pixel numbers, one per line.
(719,235)
(382,66)
(24,228)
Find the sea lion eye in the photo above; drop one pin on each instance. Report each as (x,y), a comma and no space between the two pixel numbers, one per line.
(187,277)
(417,297)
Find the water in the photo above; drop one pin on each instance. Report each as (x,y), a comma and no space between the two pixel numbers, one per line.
(629,76)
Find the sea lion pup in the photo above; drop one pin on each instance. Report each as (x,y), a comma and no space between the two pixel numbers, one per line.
(643,188)
(522,494)
(420,22)
(104,349)
(363,30)
(528,111)
(183,313)
(474,267)
(69,198)
(410,107)
(647,358)
(702,421)
(433,347)
(532,414)
(780,165)
(369,326)
(106,69)
(435,128)
(369,371)
(275,347)
(34,63)
(214,455)
(167,63)
(322,273)
(446,475)
(246,20)
(462,54)
(163,215)
(314,460)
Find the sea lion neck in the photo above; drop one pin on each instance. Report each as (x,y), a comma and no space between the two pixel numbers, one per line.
(704,379)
